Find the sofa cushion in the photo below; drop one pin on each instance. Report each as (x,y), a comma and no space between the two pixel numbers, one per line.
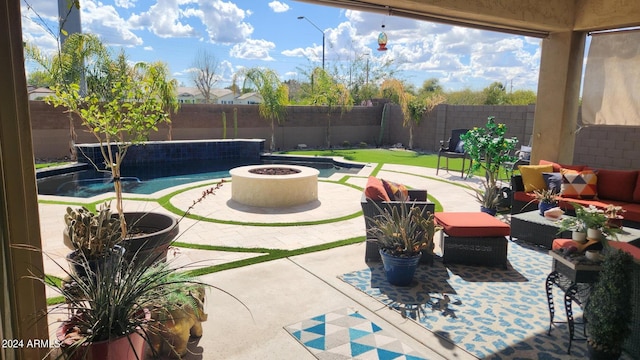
(532,176)
(374,190)
(581,185)
(636,192)
(471,224)
(617,184)
(395,191)
(557,167)
(553,181)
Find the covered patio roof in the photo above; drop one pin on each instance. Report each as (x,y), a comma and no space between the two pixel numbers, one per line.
(562,24)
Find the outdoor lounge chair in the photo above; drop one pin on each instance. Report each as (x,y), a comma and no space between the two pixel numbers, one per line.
(416,198)
(453,148)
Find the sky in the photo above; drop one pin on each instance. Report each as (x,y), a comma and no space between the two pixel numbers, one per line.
(266,33)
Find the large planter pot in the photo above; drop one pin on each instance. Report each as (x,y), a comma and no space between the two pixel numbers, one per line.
(150,235)
(399,270)
(544,206)
(490,211)
(78,265)
(128,347)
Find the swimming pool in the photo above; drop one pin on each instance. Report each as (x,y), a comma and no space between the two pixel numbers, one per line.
(148,179)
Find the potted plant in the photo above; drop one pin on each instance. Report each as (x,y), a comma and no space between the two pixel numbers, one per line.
(93,237)
(609,309)
(593,219)
(121,106)
(488,197)
(576,226)
(546,199)
(403,233)
(489,148)
(108,312)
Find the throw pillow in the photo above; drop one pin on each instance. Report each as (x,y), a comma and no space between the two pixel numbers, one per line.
(375,190)
(532,176)
(460,147)
(581,185)
(395,191)
(553,181)
(616,184)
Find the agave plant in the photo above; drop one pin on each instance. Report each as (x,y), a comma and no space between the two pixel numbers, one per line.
(404,230)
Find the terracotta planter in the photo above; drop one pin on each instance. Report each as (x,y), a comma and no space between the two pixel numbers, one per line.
(129,347)
(150,236)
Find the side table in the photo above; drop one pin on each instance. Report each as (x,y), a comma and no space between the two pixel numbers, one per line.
(567,274)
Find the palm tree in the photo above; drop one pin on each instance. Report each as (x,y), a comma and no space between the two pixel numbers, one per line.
(67,67)
(275,96)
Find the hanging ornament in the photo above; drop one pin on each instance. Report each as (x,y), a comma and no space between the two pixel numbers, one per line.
(382,40)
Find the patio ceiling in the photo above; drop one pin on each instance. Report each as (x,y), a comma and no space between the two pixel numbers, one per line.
(532,18)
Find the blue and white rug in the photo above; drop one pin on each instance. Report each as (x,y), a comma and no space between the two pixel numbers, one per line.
(491,313)
(347,334)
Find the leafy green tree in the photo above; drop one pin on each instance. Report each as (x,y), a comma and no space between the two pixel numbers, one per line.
(521,97)
(122,117)
(67,67)
(326,91)
(488,149)
(39,79)
(431,86)
(495,94)
(465,97)
(275,96)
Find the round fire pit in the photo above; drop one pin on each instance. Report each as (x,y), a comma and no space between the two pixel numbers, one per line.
(275,186)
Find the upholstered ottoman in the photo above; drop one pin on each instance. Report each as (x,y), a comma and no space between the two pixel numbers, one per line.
(473,238)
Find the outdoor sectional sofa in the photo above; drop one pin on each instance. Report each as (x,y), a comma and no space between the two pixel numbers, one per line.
(607,187)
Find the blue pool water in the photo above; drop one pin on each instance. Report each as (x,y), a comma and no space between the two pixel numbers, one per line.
(152,178)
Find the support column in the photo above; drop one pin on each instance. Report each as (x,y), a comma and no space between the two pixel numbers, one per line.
(559,81)
(22,301)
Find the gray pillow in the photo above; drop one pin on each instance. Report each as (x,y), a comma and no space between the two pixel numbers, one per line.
(553,181)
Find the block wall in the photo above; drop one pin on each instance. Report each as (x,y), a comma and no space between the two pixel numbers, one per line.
(598,146)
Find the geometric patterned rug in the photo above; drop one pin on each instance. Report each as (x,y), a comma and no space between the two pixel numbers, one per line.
(492,313)
(346,334)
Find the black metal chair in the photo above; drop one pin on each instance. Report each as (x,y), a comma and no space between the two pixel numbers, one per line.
(453,148)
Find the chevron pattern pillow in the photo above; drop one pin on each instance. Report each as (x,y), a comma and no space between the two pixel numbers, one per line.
(580,185)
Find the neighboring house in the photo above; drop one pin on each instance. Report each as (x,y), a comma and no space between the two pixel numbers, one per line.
(222,96)
(251,98)
(191,95)
(39,93)
(188,95)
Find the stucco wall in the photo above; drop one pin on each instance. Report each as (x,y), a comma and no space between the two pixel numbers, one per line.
(598,146)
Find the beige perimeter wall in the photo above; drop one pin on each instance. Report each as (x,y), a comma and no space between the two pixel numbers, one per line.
(598,146)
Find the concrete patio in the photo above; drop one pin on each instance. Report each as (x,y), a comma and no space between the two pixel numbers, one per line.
(284,291)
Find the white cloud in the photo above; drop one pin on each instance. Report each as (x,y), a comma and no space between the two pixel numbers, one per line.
(125,3)
(253,49)
(163,19)
(107,24)
(278,6)
(224,21)
(148,48)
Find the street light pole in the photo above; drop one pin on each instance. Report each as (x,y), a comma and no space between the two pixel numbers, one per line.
(314,25)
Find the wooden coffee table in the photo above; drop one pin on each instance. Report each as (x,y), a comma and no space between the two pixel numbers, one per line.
(536,229)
